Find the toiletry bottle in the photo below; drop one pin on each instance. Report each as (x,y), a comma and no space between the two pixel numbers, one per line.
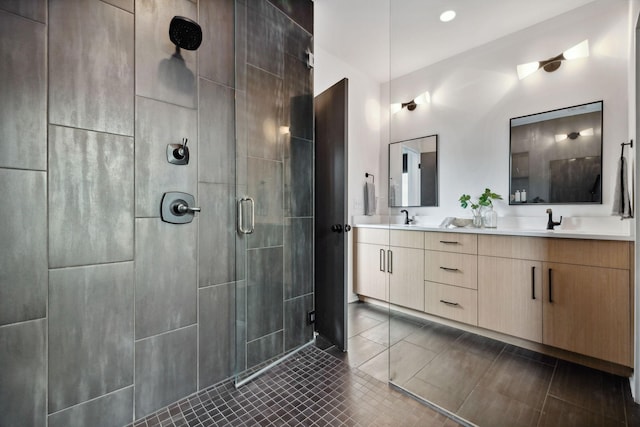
(517,195)
(523,196)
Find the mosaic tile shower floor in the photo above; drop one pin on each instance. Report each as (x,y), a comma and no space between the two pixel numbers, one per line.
(311,388)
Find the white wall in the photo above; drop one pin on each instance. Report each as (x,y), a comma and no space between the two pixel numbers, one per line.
(476,93)
(363,131)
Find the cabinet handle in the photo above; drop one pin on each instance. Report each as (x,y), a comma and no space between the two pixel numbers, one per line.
(389,261)
(449,269)
(455,304)
(550,287)
(382,260)
(449,242)
(533,282)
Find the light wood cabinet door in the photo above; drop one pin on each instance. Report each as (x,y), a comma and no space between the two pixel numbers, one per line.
(586,310)
(510,296)
(370,269)
(406,286)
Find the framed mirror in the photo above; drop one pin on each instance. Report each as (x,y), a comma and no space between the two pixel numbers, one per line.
(556,156)
(413,172)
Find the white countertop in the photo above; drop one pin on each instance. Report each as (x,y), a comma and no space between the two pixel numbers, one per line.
(572,228)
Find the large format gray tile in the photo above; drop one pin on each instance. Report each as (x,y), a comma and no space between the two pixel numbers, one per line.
(384,334)
(596,391)
(519,378)
(23,374)
(33,9)
(123,4)
(264,114)
(265,186)
(360,349)
(477,344)
(452,376)
(297,329)
(157,125)
(489,408)
(435,337)
(298,98)
(559,413)
(162,73)
(23,253)
(91,66)
(266,28)
(298,257)
(240,34)
(216,54)
(90,197)
(406,360)
(23,104)
(264,292)
(216,234)
(90,332)
(216,334)
(166,284)
(358,324)
(300,12)
(217,135)
(166,368)
(113,410)
(265,348)
(298,177)
(377,366)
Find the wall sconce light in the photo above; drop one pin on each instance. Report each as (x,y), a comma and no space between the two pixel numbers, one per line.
(581,50)
(423,98)
(574,135)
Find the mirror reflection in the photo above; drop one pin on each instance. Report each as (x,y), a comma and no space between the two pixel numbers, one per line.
(413,172)
(556,156)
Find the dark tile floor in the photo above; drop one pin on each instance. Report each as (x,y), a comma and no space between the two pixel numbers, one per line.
(484,381)
(311,388)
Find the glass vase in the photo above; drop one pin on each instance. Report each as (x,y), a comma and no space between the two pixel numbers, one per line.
(477,219)
(489,217)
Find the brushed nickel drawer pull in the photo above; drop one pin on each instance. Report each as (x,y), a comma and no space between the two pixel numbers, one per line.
(449,269)
(455,304)
(449,242)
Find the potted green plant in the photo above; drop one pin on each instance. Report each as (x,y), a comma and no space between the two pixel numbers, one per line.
(489,218)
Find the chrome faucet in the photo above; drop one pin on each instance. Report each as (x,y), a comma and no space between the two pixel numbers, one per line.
(551,223)
(407,221)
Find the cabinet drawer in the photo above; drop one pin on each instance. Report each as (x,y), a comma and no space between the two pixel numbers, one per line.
(376,236)
(407,239)
(451,242)
(451,268)
(452,302)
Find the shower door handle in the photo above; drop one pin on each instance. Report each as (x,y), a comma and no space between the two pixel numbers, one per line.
(241,227)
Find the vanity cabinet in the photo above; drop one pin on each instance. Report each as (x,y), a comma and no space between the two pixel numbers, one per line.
(572,294)
(510,296)
(370,263)
(583,302)
(587,310)
(451,276)
(406,262)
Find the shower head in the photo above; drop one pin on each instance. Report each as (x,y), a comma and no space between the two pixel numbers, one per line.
(185,33)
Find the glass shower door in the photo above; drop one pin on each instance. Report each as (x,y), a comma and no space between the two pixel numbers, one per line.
(274,186)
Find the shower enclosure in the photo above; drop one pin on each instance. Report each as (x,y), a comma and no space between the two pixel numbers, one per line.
(274,181)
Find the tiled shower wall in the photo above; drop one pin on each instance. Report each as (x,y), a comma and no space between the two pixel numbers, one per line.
(106,312)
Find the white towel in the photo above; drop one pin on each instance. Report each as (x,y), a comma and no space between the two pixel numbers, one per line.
(621,200)
(369,199)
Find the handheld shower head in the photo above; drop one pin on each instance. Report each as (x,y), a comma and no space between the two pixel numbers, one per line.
(185,33)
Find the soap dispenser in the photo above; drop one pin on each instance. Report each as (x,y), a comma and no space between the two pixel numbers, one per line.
(517,198)
(523,195)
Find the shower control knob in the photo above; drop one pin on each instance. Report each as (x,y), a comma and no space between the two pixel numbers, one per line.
(336,228)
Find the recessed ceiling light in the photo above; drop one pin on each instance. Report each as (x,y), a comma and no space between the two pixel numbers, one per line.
(448,16)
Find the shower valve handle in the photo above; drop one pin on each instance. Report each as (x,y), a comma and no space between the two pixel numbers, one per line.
(180,152)
(183,208)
